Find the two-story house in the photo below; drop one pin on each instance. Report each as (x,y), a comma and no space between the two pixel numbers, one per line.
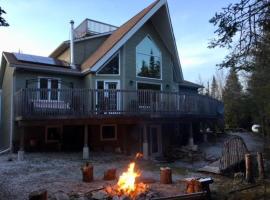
(108,88)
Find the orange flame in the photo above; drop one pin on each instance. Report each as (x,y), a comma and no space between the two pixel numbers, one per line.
(127,185)
(126,181)
(138,155)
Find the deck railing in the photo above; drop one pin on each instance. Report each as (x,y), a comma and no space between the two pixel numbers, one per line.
(73,103)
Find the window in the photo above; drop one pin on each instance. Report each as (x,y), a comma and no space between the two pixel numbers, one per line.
(112,67)
(148,59)
(53,134)
(49,88)
(108,132)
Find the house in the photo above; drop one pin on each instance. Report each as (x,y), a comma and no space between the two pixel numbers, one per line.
(106,89)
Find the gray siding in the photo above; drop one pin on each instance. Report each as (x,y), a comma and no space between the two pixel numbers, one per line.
(83,49)
(6,107)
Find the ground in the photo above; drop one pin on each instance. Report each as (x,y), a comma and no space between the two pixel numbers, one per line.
(57,172)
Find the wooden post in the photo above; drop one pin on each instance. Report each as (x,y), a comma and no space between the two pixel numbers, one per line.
(145,142)
(87,173)
(248,162)
(260,165)
(85,148)
(109,175)
(190,135)
(21,150)
(38,195)
(165,175)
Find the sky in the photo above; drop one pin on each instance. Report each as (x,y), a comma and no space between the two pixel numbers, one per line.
(39,26)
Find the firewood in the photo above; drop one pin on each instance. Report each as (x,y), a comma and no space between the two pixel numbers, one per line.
(260,165)
(38,195)
(109,175)
(165,175)
(87,173)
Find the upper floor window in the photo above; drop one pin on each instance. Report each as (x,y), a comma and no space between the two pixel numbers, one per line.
(111,67)
(148,59)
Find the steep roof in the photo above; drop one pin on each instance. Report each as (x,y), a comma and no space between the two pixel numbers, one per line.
(116,37)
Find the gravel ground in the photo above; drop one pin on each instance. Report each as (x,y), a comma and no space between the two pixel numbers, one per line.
(61,171)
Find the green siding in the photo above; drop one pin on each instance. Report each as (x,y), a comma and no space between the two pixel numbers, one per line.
(22,76)
(6,107)
(129,62)
(83,49)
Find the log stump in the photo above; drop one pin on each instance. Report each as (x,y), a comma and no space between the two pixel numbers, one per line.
(165,175)
(38,195)
(260,165)
(109,174)
(193,186)
(249,171)
(87,173)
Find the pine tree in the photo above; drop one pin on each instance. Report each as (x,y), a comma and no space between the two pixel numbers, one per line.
(2,20)
(232,97)
(259,83)
(214,88)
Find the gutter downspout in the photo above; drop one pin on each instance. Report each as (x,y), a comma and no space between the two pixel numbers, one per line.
(12,113)
(72,64)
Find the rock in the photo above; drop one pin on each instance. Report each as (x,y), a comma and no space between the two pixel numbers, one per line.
(100,195)
(61,196)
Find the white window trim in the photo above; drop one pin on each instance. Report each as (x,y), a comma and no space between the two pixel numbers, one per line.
(143,77)
(119,65)
(46,133)
(49,87)
(108,139)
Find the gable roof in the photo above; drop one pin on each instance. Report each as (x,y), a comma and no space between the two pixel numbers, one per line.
(116,37)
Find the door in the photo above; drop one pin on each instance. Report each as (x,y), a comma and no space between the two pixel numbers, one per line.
(155,140)
(108,97)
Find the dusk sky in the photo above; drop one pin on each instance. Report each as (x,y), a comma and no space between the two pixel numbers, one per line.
(39,26)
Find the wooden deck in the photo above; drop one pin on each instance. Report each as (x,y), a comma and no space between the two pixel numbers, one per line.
(37,104)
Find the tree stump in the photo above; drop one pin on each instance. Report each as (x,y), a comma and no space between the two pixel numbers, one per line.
(38,195)
(249,172)
(87,173)
(165,175)
(193,186)
(109,174)
(260,165)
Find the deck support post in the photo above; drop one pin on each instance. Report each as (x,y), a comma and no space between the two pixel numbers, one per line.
(190,135)
(21,150)
(145,143)
(85,148)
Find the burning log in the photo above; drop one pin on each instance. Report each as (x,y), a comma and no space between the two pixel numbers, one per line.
(87,172)
(165,175)
(38,195)
(109,175)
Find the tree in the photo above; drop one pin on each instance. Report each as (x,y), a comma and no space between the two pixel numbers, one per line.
(232,97)
(220,79)
(2,20)
(214,88)
(240,28)
(259,83)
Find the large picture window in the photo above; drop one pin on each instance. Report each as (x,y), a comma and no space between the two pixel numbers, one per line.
(148,59)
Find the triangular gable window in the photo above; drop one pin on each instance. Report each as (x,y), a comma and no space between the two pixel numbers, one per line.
(111,67)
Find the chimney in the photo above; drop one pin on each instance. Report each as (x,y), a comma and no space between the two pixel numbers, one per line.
(72,64)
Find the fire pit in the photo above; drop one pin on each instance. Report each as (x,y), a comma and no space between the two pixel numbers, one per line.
(127,185)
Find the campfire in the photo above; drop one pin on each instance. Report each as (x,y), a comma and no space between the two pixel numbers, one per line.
(127,185)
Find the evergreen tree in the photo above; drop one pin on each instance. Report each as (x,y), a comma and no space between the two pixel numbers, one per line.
(232,97)
(214,88)
(2,20)
(259,83)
